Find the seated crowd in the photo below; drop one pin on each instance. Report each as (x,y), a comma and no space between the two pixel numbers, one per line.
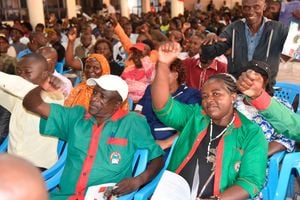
(111,85)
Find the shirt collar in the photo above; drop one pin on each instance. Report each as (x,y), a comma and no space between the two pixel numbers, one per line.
(120,113)
(213,65)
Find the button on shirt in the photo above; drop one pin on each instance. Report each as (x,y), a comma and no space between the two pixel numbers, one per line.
(72,125)
(253,39)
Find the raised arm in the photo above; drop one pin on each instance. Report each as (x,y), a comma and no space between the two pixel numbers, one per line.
(131,184)
(70,60)
(251,84)
(33,100)
(167,53)
(124,39)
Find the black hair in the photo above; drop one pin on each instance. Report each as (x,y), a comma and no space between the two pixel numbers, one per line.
(38,58)
(228,80)
(177,66)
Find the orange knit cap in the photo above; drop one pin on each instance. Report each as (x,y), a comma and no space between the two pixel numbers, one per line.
(103,62)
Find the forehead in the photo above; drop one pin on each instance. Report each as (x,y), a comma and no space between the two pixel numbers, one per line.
(213,85)
(29,62)
(252,2)
(93,61)
(3,40)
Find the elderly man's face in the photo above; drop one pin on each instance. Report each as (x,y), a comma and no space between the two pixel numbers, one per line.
(104,102)
(253,11)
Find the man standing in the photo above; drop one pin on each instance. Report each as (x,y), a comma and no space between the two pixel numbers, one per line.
(253,37)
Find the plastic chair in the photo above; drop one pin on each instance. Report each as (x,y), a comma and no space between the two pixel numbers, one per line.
(59,67)
(139,165)
(288,91)
(290,163)
(4,144)
(146,191)
(274,169)
(62,155)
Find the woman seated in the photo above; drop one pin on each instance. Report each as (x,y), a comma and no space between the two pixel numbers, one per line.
(277,142)
(216,143)
(95,66)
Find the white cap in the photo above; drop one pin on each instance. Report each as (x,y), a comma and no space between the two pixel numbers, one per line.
(110,83)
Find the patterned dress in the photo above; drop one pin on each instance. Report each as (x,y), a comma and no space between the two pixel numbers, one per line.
(271,135)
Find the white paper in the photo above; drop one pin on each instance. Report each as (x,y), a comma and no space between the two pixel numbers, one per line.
(291,46)
(97,192)
(196,181)
(172,187)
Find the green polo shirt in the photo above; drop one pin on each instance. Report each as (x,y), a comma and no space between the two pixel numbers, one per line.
(121,136)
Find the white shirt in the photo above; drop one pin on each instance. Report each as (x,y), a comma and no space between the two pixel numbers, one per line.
(24,136)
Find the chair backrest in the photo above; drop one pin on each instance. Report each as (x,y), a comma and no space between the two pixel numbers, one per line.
(290,163)
(289,92)
(62,156)
(146,191)
(59,67)
(273,175)
(4,144)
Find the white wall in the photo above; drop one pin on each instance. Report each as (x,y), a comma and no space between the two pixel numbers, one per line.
(218,3)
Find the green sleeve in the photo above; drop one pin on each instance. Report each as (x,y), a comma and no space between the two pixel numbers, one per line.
(143,138)
(282,119)
(252,171)
(60,121)
(176,114)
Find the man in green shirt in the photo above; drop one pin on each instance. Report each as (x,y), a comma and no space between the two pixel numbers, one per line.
(102,143)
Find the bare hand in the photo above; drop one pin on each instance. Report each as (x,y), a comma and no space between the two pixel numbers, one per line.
(212,38)
(72,34)
(251,84)
(113,19)
(52,83)
(168,52)
(126,186)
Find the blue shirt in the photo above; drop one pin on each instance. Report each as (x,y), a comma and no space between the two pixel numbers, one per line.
(253,40)
(160,131)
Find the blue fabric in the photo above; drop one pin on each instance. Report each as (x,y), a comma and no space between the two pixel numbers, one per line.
(183,94)
(253,40)
(23,53)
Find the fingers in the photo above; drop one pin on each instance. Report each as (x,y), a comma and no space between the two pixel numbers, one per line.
(170,47)
(246,80)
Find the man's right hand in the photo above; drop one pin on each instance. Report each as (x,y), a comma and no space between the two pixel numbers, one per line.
(212,38)
(52,83)
(251,84)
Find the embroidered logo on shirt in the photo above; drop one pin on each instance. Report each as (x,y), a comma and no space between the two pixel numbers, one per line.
(115,158)
(237,166)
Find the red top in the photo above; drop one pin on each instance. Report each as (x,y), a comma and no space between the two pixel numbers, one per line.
(196,75)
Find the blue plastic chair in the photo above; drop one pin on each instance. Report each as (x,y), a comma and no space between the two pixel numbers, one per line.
(62,155)
(139,165)
(274,169)
(146,191)
(288,91)
(59,67)
(4,144)
(290,164)
(130,102)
